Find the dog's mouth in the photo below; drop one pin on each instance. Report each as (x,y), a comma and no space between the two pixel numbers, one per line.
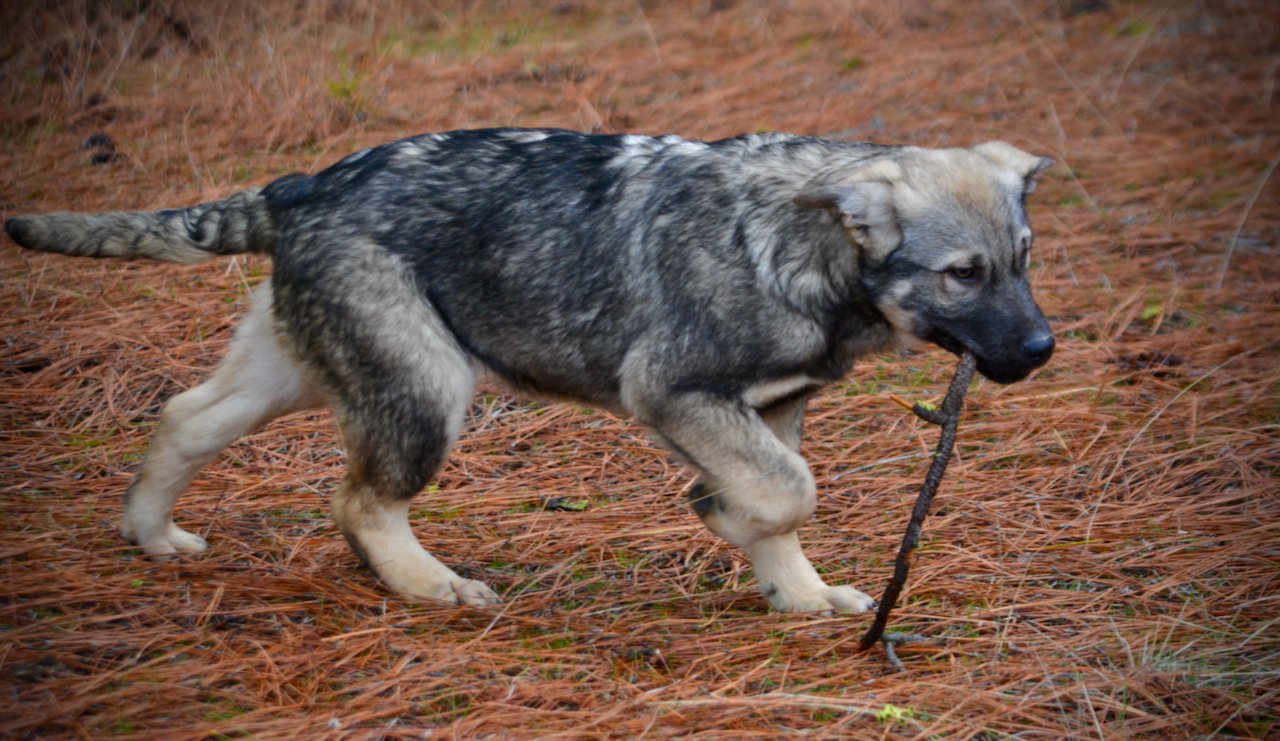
(994,371)
(949,343)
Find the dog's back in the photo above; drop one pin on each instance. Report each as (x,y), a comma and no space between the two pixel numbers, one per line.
(624,239)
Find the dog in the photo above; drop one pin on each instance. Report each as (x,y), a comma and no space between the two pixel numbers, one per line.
(706,289)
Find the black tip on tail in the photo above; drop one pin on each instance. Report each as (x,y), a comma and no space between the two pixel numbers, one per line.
(19,230)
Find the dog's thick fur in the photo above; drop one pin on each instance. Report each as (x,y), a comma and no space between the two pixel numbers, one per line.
(705,288)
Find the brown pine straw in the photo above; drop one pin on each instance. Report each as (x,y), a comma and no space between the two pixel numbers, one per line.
(1104,563)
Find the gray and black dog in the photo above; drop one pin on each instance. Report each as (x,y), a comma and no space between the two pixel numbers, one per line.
(706,289)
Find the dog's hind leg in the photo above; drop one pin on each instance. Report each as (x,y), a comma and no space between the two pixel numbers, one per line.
(398,434)
(377,527)
(755,491)
(400,386)
(256,382)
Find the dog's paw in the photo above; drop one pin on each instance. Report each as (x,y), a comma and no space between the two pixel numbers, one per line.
(170,541)
(454,591)
(847,600)
(476,593)
(826,601)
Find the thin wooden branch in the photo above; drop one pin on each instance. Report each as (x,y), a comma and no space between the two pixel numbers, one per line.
(948,416)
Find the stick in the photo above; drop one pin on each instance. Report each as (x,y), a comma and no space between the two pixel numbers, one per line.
(948,416)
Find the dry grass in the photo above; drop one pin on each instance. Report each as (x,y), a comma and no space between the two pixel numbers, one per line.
(1104,559)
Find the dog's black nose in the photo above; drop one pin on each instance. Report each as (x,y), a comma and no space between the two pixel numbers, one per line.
(1038,349)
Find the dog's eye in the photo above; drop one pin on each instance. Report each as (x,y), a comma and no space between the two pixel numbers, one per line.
(964,274)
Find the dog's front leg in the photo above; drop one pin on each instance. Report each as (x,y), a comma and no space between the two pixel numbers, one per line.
(755,491)
(782,555)
(790,583)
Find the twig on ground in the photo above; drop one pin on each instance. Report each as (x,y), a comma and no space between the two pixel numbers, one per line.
(889,640)
(948,416)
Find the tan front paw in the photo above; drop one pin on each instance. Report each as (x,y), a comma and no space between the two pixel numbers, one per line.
(453,590)
(826,600)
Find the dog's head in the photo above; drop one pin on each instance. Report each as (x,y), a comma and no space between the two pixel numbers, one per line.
(945,248)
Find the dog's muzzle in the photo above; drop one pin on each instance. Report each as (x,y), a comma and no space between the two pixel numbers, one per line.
(1010,366)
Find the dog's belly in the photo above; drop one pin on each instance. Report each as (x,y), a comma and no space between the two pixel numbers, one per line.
(770,392)
(546,358)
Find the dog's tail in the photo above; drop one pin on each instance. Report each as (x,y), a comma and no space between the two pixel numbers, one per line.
(235,224)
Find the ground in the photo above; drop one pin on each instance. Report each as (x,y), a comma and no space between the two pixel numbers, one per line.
(1104,556)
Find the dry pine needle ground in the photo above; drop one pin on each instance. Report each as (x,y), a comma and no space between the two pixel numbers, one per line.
(1103,559)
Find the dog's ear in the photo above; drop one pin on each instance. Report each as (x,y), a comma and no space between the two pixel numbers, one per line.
(864,201)
(1023,164)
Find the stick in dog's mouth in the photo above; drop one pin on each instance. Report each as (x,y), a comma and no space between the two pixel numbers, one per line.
(948,417)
